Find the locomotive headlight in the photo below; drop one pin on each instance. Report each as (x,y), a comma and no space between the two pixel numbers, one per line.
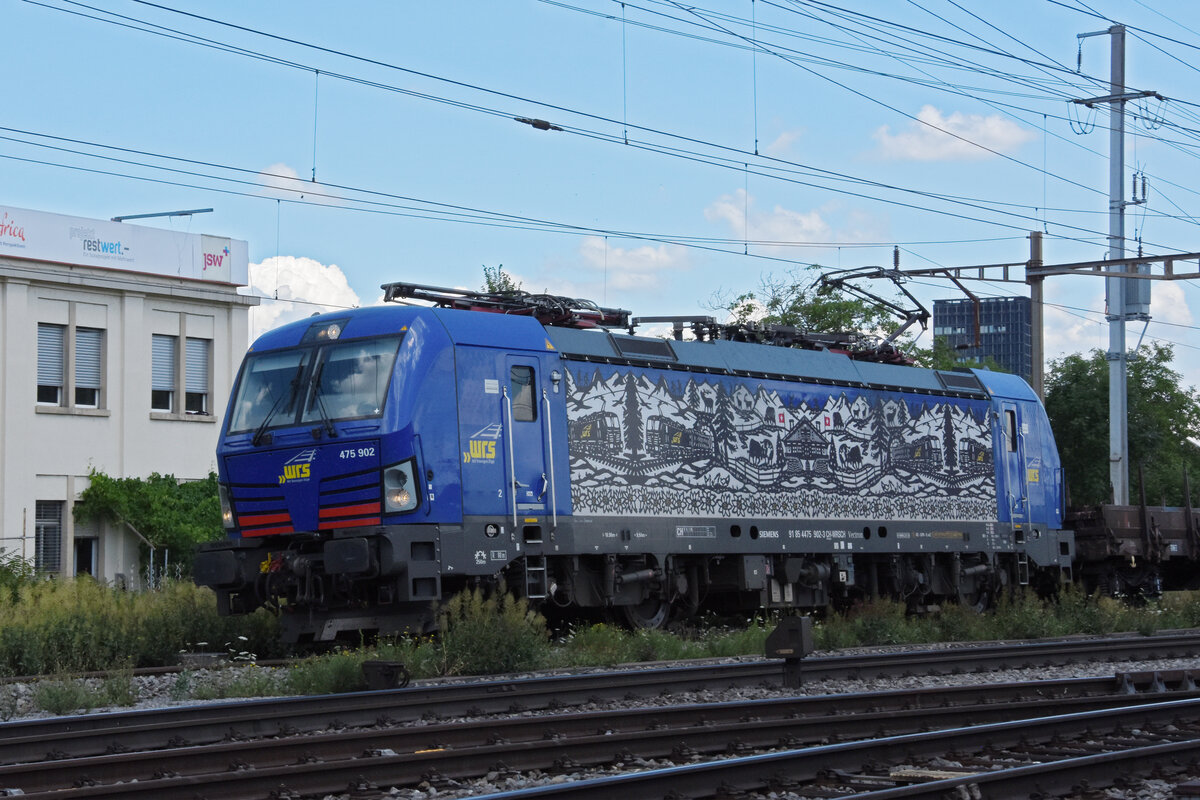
(399,489)
(226,506)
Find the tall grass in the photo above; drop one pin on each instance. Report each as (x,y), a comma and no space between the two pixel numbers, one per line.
(80,625)
(63,627)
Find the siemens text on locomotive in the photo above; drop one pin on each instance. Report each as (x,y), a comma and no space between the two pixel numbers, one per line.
(378,460)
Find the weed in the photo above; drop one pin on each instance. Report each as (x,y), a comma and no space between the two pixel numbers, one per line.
(64,695)
(9,701)
(327,674)
(117,689)
(596,645)
(81,625)
(181,689)
(484,634)
(257,682)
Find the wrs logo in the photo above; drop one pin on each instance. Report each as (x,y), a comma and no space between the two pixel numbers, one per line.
(216,259)
(10,229)
(299,468)
(482,446)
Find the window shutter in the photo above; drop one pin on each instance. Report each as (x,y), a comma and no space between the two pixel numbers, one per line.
(48,535)
(51,369)
(162,363)
(88,343)
(197,365)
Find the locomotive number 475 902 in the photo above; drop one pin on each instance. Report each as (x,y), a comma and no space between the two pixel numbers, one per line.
(360,452)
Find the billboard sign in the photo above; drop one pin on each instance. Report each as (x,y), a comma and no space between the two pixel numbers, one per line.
(42,236)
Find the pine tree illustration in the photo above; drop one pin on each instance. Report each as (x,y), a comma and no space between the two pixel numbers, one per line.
(633,417)
(949,443)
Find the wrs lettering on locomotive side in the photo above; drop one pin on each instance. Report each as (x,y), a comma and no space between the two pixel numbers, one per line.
(295,472)
(480,450)
(298,468)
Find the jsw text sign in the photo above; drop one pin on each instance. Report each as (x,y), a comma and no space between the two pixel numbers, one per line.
(118,245)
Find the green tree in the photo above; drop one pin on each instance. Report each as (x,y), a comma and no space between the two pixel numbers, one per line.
(796,299)
(1164,425)
(943,356)
(163,511)
(496,280)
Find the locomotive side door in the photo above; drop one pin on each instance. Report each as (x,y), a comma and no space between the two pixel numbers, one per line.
(1012,452)
(524,425)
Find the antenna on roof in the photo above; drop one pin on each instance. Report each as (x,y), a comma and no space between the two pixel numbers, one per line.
(163,214)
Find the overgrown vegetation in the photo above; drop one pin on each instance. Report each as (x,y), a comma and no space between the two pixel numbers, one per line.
(161,510)
(15,572)
(79,625)
(63,628)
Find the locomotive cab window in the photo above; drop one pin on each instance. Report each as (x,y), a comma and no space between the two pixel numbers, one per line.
(346,380)
(268,389)
(1010,430)
(350,380)
(524,409)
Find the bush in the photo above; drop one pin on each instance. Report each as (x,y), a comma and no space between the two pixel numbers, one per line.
(327,674)
(63,696)
(487,634)
(15,573)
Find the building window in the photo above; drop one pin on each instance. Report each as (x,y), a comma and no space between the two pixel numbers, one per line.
(83,360)
(198,358)
(48,536)
(51,363)
(163,362)
(89,346)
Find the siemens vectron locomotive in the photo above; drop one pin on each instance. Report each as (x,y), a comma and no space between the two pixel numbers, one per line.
(375,461)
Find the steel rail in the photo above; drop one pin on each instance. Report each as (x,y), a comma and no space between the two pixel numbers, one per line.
(1058,777)
(35,740)
(769,771)
(466,750)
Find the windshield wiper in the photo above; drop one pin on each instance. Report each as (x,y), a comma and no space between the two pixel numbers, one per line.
(315,388)
(295,386)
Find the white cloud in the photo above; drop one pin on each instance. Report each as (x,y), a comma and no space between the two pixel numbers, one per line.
(828,223)
(1169,304)
(297,288)
(632,268)
(283,182)
(783,143)
(935,136)
(779,225)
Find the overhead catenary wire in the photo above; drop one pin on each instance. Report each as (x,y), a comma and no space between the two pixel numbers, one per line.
(1182,215)
(195,39)
(684,154)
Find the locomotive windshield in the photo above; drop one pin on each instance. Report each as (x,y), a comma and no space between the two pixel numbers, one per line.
(343,380)
(350,380)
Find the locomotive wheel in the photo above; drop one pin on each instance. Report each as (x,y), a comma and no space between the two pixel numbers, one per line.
(978,599)
(650,614)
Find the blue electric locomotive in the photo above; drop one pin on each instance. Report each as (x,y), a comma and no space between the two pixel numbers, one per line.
(378,460)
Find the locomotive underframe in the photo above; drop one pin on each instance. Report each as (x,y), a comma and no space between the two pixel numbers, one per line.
(389,578)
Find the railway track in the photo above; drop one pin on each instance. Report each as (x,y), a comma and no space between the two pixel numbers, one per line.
(312,746)
(1033,757)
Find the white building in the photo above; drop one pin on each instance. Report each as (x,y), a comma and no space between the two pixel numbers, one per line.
(118,348)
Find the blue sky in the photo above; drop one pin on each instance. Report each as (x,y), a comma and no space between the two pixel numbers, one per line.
(702,148)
